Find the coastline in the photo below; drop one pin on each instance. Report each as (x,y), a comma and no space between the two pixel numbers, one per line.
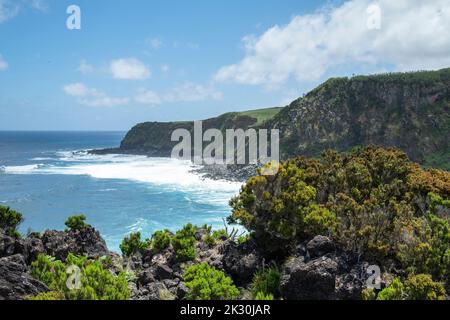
(232,173)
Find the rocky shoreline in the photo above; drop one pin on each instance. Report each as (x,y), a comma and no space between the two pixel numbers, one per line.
(236,173)
(317,269)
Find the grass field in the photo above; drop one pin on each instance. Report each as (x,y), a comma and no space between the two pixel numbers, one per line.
(261,115)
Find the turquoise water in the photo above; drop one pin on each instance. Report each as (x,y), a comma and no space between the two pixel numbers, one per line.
(48,177)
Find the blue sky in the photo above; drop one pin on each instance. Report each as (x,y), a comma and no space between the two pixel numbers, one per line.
(140,60)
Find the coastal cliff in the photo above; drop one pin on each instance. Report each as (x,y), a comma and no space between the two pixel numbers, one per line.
(410,111)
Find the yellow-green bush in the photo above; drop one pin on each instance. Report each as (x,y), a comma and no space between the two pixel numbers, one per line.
(207,283)
(372,201)
(95,282)
(416,287)
(51,295)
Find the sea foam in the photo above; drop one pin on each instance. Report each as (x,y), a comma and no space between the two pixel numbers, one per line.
(165,172)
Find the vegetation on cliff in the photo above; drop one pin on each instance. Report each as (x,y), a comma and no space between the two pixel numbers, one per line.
(88,280)
(207,283)
(410,111)
(372,201)
(9,220)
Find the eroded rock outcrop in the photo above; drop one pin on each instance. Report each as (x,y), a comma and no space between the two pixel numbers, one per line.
(15,282)
(321,272)
(86,242)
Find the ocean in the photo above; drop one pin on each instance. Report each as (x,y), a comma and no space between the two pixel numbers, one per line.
(49,176)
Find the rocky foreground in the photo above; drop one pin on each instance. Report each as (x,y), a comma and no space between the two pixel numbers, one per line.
(318,270)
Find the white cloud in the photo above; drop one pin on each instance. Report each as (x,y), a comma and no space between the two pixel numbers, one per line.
(3,64)
(93,97)
(414,34)
(85,67)
(192,92)
(40,5)
(188,92)
(147,97)
(129,69)
(8,10)
(155,43)
(77,90)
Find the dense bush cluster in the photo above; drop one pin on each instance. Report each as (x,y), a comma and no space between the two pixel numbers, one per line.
(76,222)
(372,201)
(418,287)
(133,243)
(95,281)
(9,221)
(207,283)
(184,243)
(161,240)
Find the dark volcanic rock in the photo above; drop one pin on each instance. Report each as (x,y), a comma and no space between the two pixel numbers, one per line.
(313,280)
(30,247)
(15,283)
(349,285)
(240,261)
(239,173)
(319,246)
(154,291)
(86,241)
(7,244)
(146,277)
(163,271)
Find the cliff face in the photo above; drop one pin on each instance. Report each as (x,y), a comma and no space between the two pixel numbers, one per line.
(409,111)
(154,138)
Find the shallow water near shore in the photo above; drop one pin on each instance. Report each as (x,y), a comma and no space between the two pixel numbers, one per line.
(49,176)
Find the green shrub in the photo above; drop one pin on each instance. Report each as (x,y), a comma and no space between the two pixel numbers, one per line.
(319,220)
(9,221)
(51,295)
(220,234)
(161,240)
(76,222)
(133,244)
(416,287)
(50,271)
(211,237)
(422,287)
(366,200)
(130,276)
(368,294)
(266,281)
(209,240)
(243,239)
(263,296)
(427,249)
(395,291)
(96,282)
(184,243)
(207,283)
